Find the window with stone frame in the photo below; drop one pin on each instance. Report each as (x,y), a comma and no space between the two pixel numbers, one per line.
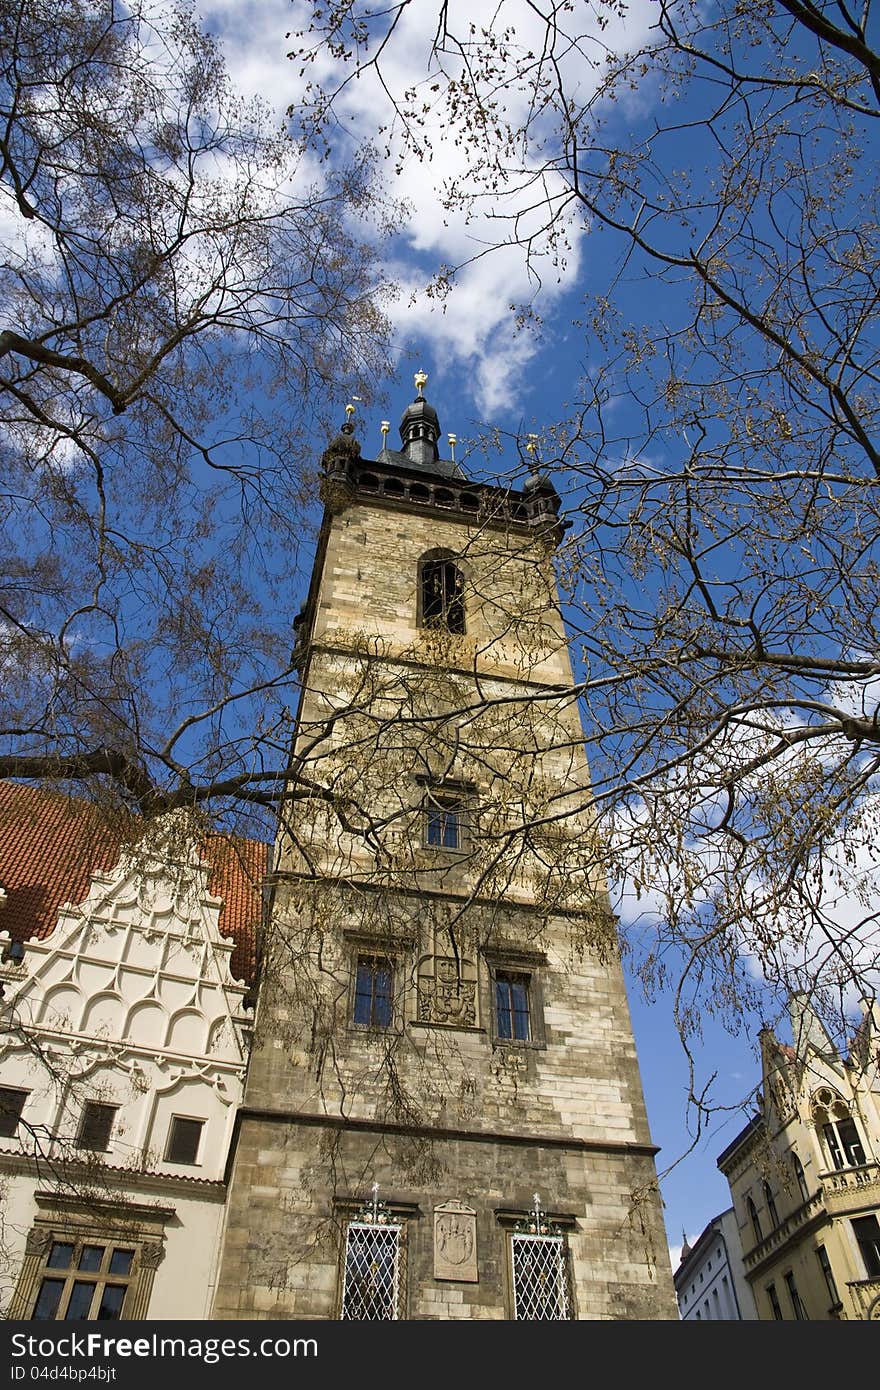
(540,1278)
(513,1016)
(12,1101)
(373,997)
(443,820)
(775,1305)
(441,593)
(447,809)
(372,1285)
(516,996)
(538,1261)
(89,1261)
(95,1126)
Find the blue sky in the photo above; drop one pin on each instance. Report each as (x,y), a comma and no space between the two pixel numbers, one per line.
(482,372)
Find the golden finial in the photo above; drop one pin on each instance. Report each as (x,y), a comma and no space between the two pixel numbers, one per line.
(421,381)
(385,427)
(453,440)
(349,410)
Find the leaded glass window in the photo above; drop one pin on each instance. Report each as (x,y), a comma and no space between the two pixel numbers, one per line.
(371,1278)
(540,1284)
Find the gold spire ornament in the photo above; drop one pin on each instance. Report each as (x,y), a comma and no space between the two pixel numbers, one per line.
(385,427)
(421,381)
(453,440)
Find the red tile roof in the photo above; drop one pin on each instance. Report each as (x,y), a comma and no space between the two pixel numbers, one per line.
(51,844)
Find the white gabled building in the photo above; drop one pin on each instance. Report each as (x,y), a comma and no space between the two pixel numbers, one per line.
(123,1048)
(710,1284)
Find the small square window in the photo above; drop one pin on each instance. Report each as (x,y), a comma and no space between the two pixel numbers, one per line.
(513,1007)
(443,821)
(11,1105)
(95,1126)
(184,1138)
(373,992)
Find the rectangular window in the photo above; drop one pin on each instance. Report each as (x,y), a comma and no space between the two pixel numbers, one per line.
(11,1105)
(828,1275)
(81,1282)
(512,1007)
(852,1144)
(774,1302)
(184,1137)
(797,1305)
(867,1232)
(373,993)
(371,1277)
(540,1285)
(95,1126)
(833,1147)
(801,1177)
(443,821)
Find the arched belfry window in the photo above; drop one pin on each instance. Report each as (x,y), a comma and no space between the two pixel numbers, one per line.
(441,592)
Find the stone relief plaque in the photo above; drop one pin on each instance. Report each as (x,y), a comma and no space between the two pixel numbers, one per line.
(455,1243)
(446,995)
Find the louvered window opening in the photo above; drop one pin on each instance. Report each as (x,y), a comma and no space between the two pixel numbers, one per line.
(371,1282)
(540,1291)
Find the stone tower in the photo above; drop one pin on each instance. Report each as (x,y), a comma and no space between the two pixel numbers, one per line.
(444,1114)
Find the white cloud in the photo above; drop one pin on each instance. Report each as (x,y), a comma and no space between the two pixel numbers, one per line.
(473,327)
(821,930)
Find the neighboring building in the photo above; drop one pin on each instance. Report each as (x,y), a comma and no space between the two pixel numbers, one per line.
(125,1032)
(444,1116)
(805,1177)
(709,1283)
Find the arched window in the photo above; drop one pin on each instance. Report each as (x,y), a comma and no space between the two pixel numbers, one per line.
(441,592)
(832,1118)
(771,1206)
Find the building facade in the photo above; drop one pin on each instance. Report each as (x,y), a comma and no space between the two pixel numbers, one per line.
(804,1174)
(710,1283)
(123,1050)
(444,1115)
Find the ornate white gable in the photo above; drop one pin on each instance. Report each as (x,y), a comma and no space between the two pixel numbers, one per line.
(131,1001)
